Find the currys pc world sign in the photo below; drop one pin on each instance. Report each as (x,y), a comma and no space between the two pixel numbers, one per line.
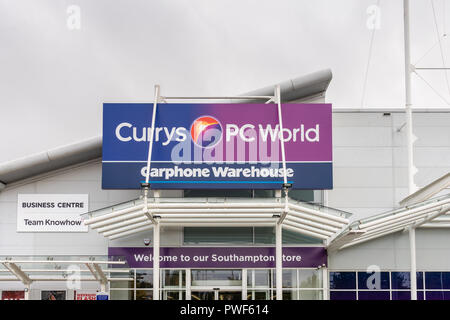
(222,146)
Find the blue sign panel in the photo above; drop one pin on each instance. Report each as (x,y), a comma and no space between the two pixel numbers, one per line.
(234,146)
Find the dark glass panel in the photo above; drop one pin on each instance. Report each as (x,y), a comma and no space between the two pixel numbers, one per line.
(342,280)
(342,295)
(373,295)
(373,280)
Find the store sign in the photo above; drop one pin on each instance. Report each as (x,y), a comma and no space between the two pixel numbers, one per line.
(85,295)
(220,257)
(221,146)
(102,296)
(51,212)
(13,295)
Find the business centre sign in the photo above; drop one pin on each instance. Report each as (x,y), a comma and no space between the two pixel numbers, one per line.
(221,146)
(51,212)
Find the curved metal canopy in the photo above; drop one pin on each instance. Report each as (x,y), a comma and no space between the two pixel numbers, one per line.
(131,217)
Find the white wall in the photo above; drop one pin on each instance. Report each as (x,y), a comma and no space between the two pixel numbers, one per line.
(370,170)
(370,176)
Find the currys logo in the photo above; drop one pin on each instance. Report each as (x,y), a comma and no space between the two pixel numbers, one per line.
(206,131)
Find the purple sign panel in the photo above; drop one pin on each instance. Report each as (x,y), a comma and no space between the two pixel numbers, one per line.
(220,257)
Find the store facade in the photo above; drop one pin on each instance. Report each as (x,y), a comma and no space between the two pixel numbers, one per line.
(230,258)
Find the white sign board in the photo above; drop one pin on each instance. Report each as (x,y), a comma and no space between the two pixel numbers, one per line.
(51,212)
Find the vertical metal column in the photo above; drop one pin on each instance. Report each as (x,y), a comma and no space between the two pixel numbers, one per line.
(278,261)
(326,295)
(278,225)
(27,292)
(150,145)
(156,242)
(244,284)
(146,185)
(280,120)
(408,112)
(409,144)
(188,284)
(412,248)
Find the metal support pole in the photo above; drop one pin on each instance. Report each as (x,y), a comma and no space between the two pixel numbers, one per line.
(27,292)
(188,284)
(283,153)
(280,120)
(408,112)
(156,242)
(325,283)
(152,132)
(146,185)
(279,261)
(412,248)
(244,284)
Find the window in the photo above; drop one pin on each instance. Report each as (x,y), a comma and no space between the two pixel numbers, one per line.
(402,280)
(437,280)
(197,235)
(384,285)
(298,284)
(144,294)
(122,284)
(121,294)
(342,280)
(144,278)
(227,193)
(437,285)
(373,280)
(173,284)
(342,295)
(216,277)
(300,195)
(53,295)
(242,235)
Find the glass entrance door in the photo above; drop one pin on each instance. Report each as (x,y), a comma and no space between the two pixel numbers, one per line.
(225,294)
(203,295)
(216,284)
(228,295)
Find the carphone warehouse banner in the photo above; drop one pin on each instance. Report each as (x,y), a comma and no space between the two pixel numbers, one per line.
(234,146)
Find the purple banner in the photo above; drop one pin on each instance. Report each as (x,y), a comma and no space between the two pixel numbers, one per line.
(220,257)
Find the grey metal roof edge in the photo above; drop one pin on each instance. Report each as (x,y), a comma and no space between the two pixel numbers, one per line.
(300,87)
(26,167)
(49,160)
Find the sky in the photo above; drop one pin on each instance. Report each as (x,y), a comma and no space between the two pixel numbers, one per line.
(60,60)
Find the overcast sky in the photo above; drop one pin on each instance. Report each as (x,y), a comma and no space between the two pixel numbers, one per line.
(54,77)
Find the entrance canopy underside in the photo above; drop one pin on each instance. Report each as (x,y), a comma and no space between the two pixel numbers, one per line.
(31,269)
(132,217)
(330,225)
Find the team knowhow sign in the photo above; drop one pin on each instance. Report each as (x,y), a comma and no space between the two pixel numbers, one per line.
(51,212)
(236,146)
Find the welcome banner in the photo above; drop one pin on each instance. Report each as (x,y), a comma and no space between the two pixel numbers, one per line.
(220,257)
(234,146)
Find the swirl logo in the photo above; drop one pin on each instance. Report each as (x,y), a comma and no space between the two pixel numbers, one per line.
(206,131)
